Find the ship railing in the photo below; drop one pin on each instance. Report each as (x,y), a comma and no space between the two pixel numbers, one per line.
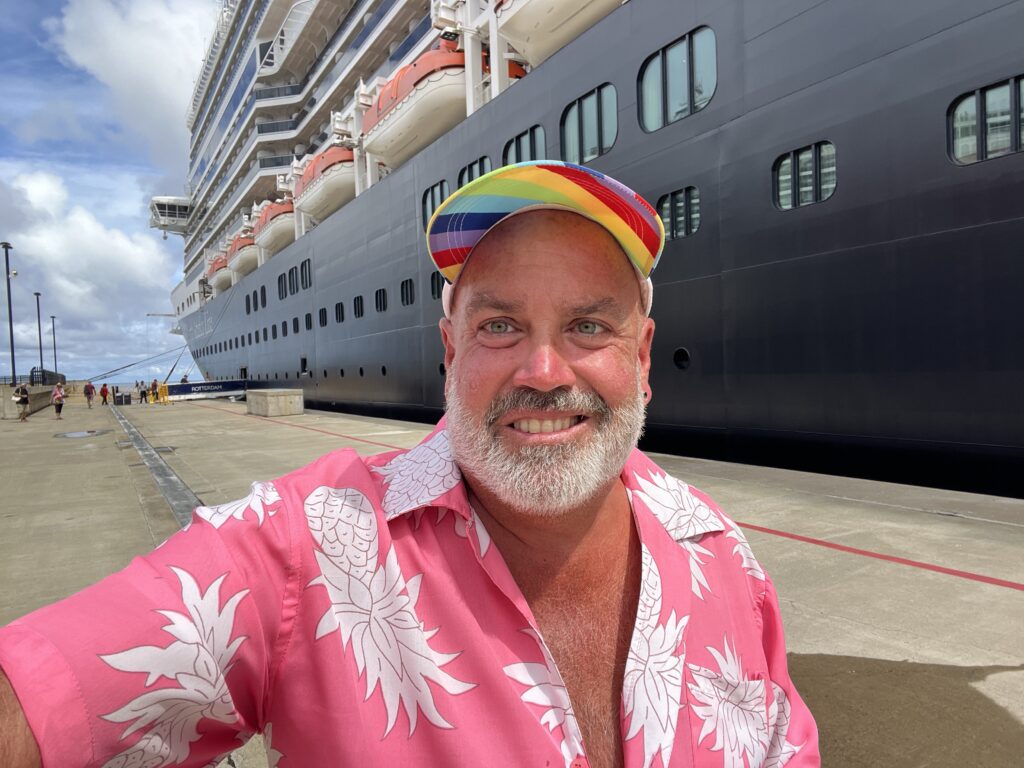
(330,80)
(277,126)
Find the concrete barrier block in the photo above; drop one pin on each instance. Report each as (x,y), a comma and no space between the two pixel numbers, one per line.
(274,402)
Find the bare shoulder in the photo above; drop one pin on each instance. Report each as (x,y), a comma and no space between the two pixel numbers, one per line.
(17,744)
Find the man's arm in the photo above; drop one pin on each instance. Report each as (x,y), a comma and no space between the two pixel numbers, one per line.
(17,744)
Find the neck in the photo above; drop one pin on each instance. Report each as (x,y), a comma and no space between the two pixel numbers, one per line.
(542,550)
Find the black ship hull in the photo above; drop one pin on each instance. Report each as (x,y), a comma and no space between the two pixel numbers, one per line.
(887,315)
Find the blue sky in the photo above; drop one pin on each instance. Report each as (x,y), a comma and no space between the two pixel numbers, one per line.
(93,96)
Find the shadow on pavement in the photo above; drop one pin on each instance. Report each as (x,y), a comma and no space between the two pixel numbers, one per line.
(872,712)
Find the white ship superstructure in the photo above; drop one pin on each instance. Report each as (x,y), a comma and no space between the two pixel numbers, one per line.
(302,105)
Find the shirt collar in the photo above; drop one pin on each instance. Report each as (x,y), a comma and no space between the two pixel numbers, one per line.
(427,476)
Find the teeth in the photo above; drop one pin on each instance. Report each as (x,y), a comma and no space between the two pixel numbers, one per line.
(537,426)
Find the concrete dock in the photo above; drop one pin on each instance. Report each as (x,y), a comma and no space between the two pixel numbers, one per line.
(903,606)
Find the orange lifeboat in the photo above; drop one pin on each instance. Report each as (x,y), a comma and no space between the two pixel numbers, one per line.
(242,254)
(217,273)
(419,103)
(275,227)
(538,28)
(326,184)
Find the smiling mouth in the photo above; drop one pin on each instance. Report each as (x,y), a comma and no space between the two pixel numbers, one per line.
(540,426)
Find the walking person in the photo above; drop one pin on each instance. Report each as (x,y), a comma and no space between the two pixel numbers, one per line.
(57,398)
(90,392)
(103,394)
(143,392)
(21,393)
(153,389)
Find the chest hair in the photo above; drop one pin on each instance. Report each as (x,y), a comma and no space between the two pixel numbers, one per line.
(588,631)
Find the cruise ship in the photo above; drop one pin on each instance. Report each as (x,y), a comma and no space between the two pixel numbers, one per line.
(841,184)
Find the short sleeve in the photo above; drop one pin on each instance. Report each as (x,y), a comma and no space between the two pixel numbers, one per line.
(792,730)
(170,658)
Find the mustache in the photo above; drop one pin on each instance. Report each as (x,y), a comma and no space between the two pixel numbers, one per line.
(562,399)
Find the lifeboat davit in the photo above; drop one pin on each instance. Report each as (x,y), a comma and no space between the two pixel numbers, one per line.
(419,103)
(217,274)
(242,255)
(275,227)
(327,183)
(538,28)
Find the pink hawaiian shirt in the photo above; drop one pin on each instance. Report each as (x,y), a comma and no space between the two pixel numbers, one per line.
(356,613)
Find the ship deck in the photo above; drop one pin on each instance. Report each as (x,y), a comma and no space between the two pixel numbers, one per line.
(903,606)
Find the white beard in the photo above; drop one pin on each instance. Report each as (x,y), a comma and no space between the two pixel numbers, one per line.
(544,480)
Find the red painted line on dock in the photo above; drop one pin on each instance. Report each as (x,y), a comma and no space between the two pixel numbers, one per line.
(303,426)
(887,558)
(771,531)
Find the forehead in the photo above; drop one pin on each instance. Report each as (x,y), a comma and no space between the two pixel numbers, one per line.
(556,257)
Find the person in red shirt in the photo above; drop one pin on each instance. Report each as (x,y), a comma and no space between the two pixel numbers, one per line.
(104,391)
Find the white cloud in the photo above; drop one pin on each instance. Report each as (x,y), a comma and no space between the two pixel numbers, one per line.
(43,191)
(147,53)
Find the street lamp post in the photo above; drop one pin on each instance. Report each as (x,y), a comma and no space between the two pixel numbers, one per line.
(39,325)
(53,329)
(10,313)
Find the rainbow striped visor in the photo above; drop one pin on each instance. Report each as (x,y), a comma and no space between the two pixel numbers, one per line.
(471,211)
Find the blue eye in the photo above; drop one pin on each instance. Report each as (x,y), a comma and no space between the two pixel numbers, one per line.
(497,326)
(588,327)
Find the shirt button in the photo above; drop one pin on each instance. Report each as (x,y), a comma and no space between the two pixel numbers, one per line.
(580,762)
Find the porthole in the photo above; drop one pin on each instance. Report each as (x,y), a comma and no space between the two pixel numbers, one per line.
(341,373)
(325,373)
(360,370)
(383,370)
(681,357)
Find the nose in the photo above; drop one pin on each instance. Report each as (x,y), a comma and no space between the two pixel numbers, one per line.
(545,369)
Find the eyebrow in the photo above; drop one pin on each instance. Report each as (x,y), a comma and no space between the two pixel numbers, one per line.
(491,302)
(599,306)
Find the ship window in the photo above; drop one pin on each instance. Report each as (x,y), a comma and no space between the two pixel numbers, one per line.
(407,290)
(805,176)
(680,212)
(323,318)
(295,325)
(380,300)
(263,297)
(282,287)
(307,274)
(339,312)
(257,335)
(436,285)
(474,170)
(988,122)
(590,125)
(997,121)
(678,80)
(248,305)
(264,334)
(432,200)
(255,300)
(309,321)
(284,327)
(273,331)
(528,145)
(293,280)
(357,306)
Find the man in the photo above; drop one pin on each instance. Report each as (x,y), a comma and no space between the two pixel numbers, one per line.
(90,392)
(21,392)
(523,588)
